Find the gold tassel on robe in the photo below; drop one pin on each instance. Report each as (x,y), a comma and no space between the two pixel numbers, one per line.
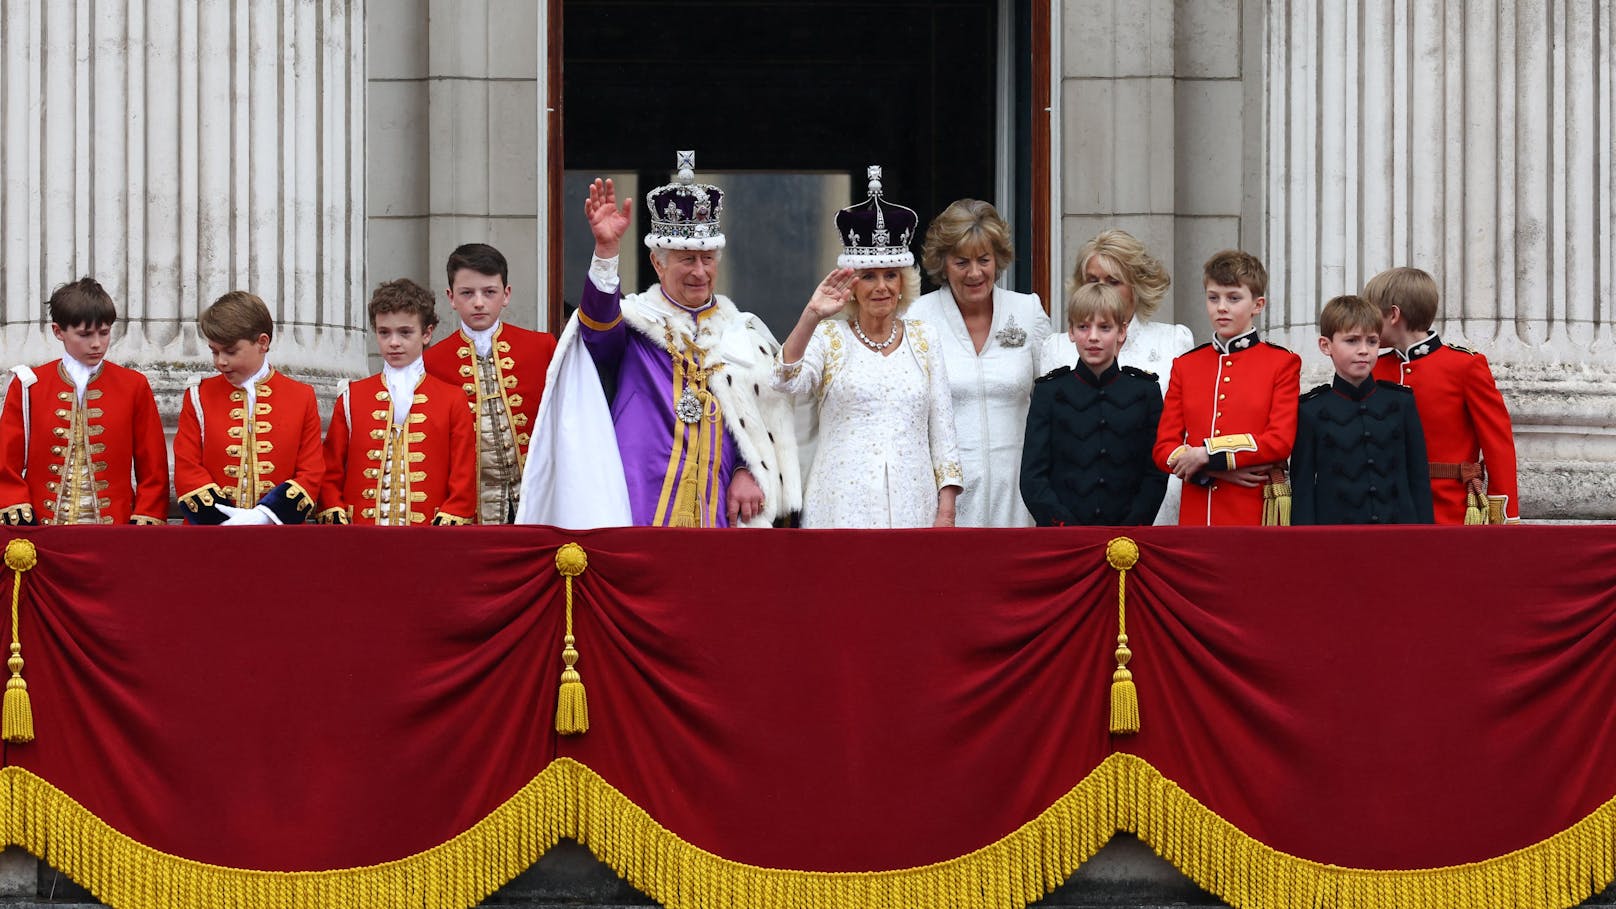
(17,713)
(1123,553)
(572,707)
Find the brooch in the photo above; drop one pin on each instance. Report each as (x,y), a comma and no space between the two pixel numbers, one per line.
(1011,335)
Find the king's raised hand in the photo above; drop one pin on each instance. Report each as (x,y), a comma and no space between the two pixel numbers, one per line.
(608,220)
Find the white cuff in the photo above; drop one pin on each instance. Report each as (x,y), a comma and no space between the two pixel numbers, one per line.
(603,274)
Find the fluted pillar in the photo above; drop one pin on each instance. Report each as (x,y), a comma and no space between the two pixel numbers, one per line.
(1471,139)
(176,150)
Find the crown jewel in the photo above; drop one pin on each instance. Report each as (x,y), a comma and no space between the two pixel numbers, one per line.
(685,214)
(888,226)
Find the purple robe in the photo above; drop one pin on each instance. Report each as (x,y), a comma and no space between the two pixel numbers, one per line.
(642,407)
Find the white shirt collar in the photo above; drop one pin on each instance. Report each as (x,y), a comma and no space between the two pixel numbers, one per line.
(482,340)
(79,373)
(251,385)
(401,382)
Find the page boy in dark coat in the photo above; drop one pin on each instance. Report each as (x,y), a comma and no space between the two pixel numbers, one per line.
(1360,454)
(1087,454)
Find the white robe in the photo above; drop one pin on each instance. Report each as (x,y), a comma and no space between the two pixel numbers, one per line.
(1151,346)
(991,391)
(886,431)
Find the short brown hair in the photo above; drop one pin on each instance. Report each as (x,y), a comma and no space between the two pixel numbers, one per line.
(1131,264)
(1346,313)
(1089,300)
(1411,290)
(403,295)
(236,316)
(965,222)
(82,302)
(1235,268)
(480,258)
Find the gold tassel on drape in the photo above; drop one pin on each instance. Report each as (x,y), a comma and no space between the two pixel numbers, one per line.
(17,714)
(572,708)
(1123,553)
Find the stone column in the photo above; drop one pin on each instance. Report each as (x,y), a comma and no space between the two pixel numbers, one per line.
(1159,109)
(457,150)
(178,149)
(1473,140)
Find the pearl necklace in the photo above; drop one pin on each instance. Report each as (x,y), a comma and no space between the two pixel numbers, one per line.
(859,331)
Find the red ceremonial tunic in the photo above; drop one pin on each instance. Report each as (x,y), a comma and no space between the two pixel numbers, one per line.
(380,472)
(122,437)
(1242,406)
(223,452)
(1464,418)
(521,359)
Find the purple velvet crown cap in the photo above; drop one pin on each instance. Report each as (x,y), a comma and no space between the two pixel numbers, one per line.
(684,213)
(876,233)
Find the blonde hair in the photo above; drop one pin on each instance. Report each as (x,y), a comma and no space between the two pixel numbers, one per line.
(907,293)
(965,222)
(1089,300)
(1346,313)
(1127,259)
(236,316)
(1411,290)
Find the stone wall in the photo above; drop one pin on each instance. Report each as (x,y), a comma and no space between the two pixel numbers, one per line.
(1159,120)
(455,151)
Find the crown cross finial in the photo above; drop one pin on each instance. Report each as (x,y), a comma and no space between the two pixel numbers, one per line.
(873,174)
(685,163)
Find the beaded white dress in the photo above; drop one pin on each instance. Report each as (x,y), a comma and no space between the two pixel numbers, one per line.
(992,390)
(1151,346)
(886,429)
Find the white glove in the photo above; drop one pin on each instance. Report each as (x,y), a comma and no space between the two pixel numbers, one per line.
(245,517)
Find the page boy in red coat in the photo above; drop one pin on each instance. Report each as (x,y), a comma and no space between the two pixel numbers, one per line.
(1229,418)
(399,451)
(81,438)
(248,446)
(500,368)
(1468,435)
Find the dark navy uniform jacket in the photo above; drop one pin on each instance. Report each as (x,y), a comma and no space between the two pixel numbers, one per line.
(1086,458)
(1359,457)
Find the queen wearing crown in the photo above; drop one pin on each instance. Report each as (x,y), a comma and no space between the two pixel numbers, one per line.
(659,409)
(887,456)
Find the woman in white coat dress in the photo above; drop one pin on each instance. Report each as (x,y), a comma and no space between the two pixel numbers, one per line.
(990,338)
(1116,258)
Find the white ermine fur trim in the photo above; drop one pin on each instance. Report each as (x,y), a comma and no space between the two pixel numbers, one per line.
(760,419)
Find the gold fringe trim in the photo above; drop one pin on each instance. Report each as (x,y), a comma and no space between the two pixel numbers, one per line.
(569,800)
(1559,872)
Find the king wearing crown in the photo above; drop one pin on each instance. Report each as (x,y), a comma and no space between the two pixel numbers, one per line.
(665,417)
